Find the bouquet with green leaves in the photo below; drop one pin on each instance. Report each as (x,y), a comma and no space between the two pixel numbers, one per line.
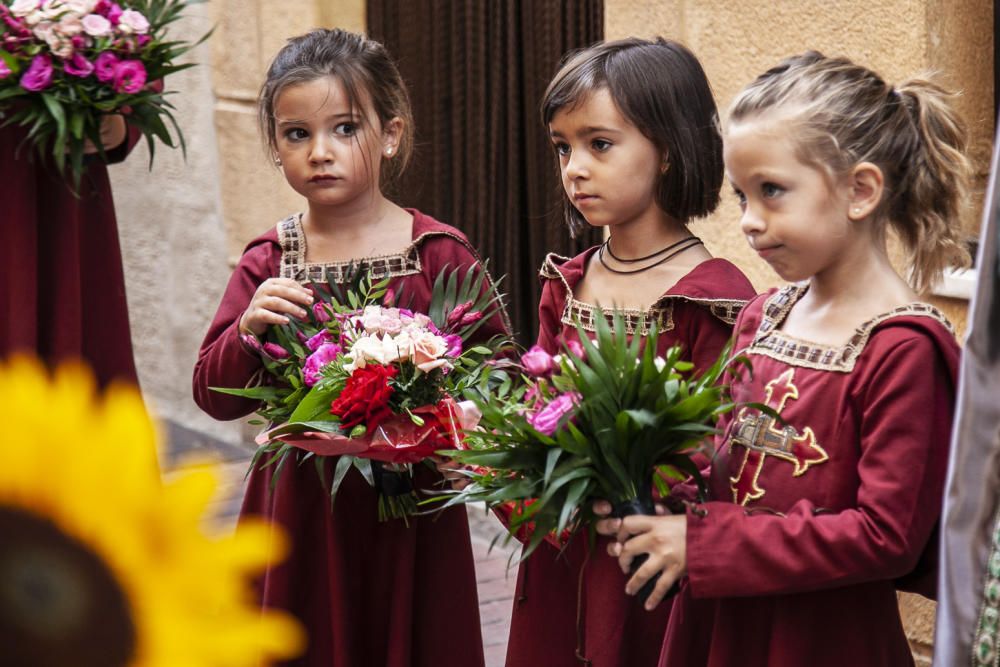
(375,383)
(65,64)
(607,419)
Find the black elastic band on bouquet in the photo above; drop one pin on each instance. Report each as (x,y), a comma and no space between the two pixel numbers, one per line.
(390,482)
(645,507)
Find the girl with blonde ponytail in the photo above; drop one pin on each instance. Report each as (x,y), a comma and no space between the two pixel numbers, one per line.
(817,518)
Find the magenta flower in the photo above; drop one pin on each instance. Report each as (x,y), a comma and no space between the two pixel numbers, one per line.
(546,420)
(470,318)
(39,74)
(105,66)
(537,361)
(275,351)
(321,338)
(4,70)
(317,361)
(78,66)
(113,12)
(130,76)
(575,348)
(454,343)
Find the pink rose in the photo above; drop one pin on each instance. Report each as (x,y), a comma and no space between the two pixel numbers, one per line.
(96,25)
(39,74)
(78,66)
(130,76)
(428,350)
(547,419)
(132,22)
(324,354)
(104,65)
(275,351)
(537,362)
(321,338)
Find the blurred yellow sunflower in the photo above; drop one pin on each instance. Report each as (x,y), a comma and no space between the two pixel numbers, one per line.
(101,563)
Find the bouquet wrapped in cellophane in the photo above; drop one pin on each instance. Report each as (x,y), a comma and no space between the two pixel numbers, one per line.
(64,64)
(374,383)
(606,419)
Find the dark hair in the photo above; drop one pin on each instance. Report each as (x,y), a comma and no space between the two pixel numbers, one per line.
(661,88)
(362,65)
(840,114)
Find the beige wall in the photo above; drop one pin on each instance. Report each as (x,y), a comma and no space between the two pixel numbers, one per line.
(183,224)
(736,41)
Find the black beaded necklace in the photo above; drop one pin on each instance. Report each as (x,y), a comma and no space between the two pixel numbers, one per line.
(678,248)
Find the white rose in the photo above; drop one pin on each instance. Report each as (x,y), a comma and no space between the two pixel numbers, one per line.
(69,25)
(23,7)
(80,7)
(132,21)
(96,25)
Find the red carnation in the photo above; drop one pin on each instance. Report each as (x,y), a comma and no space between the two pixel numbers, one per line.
(365,398)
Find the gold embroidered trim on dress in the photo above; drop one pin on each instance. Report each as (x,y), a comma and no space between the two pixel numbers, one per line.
(770,342)
(294,266)
(636,321)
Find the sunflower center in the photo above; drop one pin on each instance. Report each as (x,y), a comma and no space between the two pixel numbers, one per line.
(59,602)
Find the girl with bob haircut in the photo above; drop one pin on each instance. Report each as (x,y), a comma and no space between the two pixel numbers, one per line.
(635,132)
(336,118)
(818,519)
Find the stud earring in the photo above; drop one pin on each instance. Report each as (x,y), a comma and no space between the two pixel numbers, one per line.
(857,211)
(388,151)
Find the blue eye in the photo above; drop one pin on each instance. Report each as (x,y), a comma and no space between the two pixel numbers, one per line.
(600,145)
(770,190)
(346,129)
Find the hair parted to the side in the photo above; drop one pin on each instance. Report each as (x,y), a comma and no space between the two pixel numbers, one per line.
(367,73)
(661,88)
(841,114)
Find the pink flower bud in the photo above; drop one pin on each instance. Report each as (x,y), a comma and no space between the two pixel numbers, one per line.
(470,318)
(537,362)
(575,348)
(457,313)
(275,351)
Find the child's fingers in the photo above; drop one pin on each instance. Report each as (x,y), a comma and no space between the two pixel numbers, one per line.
(602,508)
(286,288)
(648,570)
(279,304)
(662,587)
(608,527)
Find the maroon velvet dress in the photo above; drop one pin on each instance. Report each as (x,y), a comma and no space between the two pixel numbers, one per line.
(62,287)
(796,560)
(574,603)
(369,593)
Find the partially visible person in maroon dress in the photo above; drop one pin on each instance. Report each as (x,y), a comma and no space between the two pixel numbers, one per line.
(370,593)
(62,286)
(818,519)
(635,161)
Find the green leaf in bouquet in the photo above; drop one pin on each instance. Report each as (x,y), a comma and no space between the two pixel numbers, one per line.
(316,402)
(572,503)
(550,463)
(295,427)
(344,464)
(264,393)
(364,466)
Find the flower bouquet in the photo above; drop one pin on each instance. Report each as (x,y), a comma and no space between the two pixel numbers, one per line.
(375,384)
(607,419)
(66,63)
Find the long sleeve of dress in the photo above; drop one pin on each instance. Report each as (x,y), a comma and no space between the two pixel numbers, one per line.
(905,423)
(224,360)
